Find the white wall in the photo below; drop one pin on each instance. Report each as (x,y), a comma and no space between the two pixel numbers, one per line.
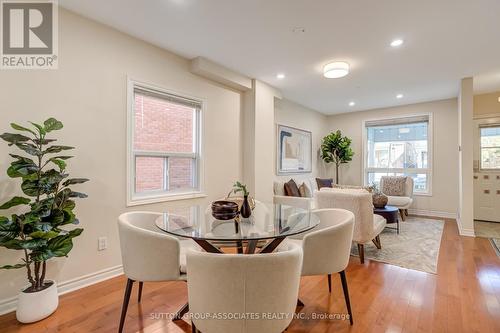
(88,94)
(295,115)
(465,140)
(444,197)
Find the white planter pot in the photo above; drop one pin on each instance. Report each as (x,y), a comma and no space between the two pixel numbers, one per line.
(38,305)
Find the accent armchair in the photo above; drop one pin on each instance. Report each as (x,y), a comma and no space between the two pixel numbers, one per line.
(367,226)
(399,195)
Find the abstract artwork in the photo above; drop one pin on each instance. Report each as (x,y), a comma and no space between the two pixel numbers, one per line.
(294,153)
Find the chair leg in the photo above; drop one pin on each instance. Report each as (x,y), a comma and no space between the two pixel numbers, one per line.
(403,215)
(346,295)
(139,292)
(126,299)
(361,250)
(193,328)
(406,212)
(377,243)
(330,283)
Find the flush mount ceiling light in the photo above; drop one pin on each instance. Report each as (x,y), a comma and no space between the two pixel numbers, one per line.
(397,42)
(352,103)
(280,76)
(399,96)
(335,70)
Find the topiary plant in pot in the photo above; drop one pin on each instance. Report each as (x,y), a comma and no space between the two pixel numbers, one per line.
(47,206)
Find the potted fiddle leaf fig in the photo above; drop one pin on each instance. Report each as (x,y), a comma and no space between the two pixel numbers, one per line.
(336,149)
(46,208)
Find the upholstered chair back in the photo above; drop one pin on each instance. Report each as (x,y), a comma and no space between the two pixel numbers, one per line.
(328,246)
(359,202)
(147,253)
(238,285)
(408,190)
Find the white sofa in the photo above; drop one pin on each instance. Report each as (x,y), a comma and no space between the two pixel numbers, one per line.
(402,202)
(367,226)
(301,202)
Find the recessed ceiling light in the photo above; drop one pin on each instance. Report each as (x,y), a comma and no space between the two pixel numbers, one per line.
(399,96)
(397,42)
(335,70)
(352,103)
(280,76)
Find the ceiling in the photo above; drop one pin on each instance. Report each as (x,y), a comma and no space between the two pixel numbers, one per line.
(445,40)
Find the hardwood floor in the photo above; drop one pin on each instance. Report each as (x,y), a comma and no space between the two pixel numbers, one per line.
(464,296)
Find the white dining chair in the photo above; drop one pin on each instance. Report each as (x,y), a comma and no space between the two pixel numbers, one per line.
(239,285)
(149,254)
(327,247)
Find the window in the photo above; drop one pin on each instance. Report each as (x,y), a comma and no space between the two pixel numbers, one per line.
(490,146)
(396,147)
(164,159)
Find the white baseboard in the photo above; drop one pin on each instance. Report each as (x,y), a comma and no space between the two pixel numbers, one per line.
(465,231)
(9,304)
(435,213)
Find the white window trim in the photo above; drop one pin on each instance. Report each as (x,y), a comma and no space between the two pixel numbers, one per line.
(430,156)
(156,197)
(486,125)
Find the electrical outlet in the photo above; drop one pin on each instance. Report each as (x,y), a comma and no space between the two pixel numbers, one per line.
(102,243)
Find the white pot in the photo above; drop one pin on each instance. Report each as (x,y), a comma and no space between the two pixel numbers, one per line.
(38,305)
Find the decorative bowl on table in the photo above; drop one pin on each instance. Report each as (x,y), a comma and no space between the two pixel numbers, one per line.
(225,210)
(379,200)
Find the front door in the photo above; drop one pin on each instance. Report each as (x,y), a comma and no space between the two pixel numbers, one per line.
(487,170)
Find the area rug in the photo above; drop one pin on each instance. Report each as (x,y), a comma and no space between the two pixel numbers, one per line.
(487,229)
(416,247)
(495,242)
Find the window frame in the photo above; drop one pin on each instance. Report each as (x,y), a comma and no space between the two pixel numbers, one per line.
(156,196)
(430,157)
(481,126)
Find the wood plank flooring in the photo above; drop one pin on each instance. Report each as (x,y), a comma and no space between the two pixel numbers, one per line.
(464,296)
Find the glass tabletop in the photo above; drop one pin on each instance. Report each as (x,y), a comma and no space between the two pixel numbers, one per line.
(267,221)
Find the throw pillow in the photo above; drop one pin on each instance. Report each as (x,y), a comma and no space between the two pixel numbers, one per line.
(394,186)
(278,188)
(304,191)
(324,182)
(291,189)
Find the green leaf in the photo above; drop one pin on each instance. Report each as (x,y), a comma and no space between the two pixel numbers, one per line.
(58,246)
(69,216)
(43,141)
(78,195)
(56,149)
(31,187)
(23,167)
(44,235)
(60,163)
(8,229)
(52,124)
(56,217)
(21,128)
(39,127)
(12,138)
(73,181)
(15,201)
(16,266)
(29,148)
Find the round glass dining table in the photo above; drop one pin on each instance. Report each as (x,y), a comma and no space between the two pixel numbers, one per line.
(266,228)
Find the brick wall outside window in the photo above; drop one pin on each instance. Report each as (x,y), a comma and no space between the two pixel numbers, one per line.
(162,126)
